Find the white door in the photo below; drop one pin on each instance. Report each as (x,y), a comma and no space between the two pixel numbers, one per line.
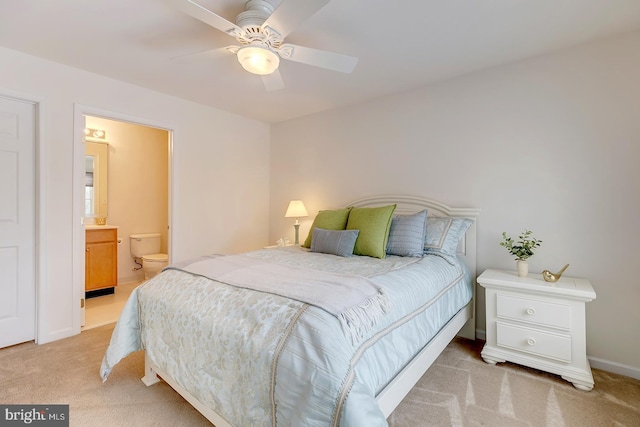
(17,222)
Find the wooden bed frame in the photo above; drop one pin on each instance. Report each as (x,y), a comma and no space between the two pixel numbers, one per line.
(463,323)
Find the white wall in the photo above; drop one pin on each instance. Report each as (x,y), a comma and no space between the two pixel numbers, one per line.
(550,144)
(220,172)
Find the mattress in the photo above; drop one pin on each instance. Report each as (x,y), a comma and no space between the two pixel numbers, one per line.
(261,359)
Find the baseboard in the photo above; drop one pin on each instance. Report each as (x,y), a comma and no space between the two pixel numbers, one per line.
(595,362)
(616,368)
(99,293)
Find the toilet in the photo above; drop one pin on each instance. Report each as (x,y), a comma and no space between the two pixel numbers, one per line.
(146,247)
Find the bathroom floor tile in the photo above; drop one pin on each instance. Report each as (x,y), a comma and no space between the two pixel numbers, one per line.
(106,309)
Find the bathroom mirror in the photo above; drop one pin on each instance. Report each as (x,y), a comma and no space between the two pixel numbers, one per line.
(96,179)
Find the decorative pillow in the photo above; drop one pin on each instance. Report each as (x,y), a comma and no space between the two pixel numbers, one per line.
(329,220)
(444,234)
(373,224)
(407,234)
(336,242)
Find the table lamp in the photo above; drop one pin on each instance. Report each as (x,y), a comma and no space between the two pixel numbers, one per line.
(296,210)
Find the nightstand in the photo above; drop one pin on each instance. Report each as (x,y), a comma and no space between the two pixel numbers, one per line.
(538,324)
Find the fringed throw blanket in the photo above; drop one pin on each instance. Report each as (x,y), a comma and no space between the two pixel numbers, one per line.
(356,301)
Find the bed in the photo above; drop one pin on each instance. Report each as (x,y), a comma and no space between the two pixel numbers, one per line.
(283,352)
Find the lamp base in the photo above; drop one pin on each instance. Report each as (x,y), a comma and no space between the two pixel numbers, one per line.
(297,227)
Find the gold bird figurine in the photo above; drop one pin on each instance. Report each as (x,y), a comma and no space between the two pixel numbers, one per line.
(553,277)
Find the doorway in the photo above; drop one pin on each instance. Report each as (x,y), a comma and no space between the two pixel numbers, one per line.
(138,198)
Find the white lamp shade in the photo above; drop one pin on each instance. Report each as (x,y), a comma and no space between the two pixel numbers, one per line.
(296,209)
(258,60)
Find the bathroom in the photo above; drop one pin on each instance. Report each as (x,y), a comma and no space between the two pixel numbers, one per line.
(137,202)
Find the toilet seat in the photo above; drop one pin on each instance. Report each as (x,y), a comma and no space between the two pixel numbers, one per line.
(156,258)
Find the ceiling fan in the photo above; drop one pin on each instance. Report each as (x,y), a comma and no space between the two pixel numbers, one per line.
(260,31)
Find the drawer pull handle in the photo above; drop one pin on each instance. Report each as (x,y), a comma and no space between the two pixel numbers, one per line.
(531,311)
(531,341)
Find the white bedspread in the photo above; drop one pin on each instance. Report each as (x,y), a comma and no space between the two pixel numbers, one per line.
(261,359)
(355,300)
(125,338)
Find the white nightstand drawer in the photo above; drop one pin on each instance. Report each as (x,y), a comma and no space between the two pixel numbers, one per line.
(533,341)
(533,311)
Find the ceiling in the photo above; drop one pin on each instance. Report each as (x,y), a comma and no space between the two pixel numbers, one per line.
(401,44)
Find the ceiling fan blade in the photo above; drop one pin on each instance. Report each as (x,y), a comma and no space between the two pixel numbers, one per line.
(273,81)
(207,55)
(318,58)
(194,10)
(290,14)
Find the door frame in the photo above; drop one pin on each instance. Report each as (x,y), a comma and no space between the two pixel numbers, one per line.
(78,230)
(40,171)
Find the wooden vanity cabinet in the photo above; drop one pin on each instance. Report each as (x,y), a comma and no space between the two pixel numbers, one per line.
(101,259)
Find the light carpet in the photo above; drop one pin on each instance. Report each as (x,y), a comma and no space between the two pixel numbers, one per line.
(458,390)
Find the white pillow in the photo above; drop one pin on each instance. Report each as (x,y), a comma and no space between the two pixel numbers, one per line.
(444,234)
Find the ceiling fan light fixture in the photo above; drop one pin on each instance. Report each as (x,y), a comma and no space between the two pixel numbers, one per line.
(258,60)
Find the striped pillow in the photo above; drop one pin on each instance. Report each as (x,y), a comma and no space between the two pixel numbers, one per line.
(335,242)
(407,234)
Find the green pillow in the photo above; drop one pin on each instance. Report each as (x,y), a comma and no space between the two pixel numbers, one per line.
(374,224)
(329,220)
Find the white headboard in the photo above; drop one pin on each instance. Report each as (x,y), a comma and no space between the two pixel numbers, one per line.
(412,204)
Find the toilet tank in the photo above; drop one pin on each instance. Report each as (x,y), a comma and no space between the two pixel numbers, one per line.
(145,244)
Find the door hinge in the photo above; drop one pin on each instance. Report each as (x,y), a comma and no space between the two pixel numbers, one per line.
(81,302)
